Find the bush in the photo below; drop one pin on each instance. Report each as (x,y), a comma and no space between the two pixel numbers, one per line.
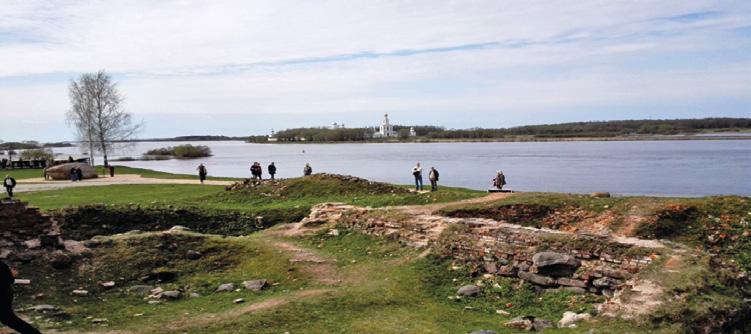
(161,151)
(182,151)
(37,154)
(190,151)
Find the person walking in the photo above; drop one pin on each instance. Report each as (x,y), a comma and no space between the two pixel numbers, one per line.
(272,170)
(73,174)
(202,172)
(9,182)
(7,316)
(79,174)
(417,173)
(307,171)
(112,171)
(433,177)
(500,180)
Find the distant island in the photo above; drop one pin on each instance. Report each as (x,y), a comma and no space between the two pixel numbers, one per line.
(705,128)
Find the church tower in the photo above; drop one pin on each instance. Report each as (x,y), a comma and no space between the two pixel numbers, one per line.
(387,130)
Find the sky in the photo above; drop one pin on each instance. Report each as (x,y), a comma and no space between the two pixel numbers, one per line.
(246,67)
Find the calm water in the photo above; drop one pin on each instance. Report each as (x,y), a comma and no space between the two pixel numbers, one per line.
(689,168)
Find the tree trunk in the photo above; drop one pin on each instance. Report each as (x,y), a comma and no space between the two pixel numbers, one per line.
(91,153)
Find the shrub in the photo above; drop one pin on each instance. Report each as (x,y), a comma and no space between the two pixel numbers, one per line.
(186,151)
(190,151)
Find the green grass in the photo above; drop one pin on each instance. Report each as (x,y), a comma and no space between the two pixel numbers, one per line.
(22,174)
(165,175)
(119,194)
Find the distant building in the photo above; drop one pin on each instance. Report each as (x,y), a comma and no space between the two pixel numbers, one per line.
(412,132)
(272,136)
(386,130)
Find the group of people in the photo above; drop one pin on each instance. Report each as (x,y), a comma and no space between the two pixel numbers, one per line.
(76,174)
(498,181)
(256,171)
(432,177)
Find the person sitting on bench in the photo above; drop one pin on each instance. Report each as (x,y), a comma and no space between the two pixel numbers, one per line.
(500,180)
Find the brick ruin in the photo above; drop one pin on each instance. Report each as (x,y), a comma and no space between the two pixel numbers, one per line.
(26,233)
(547,258)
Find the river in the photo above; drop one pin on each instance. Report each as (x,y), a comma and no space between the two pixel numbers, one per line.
(681,168)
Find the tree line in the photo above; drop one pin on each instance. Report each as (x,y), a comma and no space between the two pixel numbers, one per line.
(605,129)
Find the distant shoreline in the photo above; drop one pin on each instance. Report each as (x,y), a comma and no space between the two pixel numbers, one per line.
(475,140)
(518,140)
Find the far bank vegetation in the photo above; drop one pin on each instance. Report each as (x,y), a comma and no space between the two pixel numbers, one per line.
(604,129)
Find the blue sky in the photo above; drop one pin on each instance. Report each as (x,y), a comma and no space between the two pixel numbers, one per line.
(244,67)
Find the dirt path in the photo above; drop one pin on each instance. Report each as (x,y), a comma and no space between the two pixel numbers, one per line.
(39,184)
(430,209)
(204,320)
(321,270)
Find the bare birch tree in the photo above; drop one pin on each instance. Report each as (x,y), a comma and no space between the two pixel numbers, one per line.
(81,114)
(97,114)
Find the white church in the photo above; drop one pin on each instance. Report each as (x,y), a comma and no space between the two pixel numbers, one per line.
(387,130)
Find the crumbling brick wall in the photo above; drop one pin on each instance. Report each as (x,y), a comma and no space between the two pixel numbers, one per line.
(548,258)
(24,230)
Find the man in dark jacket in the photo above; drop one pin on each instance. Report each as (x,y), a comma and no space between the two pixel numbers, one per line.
(307,171)
(433,177)
(7,316)
(272,170)
(9,182)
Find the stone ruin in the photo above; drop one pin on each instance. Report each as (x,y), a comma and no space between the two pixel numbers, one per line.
(27,234)
(547,258)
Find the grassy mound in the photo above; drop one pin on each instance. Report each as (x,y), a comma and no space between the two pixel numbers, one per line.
(317,185)
(88,211)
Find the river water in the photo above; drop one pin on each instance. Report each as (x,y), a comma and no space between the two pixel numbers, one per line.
(682,168)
